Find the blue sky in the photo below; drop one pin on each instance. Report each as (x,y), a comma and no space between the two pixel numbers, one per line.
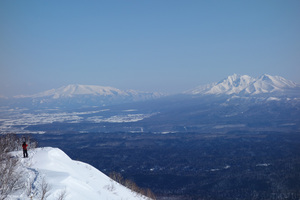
(158,45)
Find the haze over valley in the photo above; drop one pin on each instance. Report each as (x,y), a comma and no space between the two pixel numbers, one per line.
(235,103)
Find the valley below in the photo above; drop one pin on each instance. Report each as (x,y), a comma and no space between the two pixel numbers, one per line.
(233,165)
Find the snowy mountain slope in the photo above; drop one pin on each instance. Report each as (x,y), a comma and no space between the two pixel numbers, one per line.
(244,84)
(76,179)
(269,84)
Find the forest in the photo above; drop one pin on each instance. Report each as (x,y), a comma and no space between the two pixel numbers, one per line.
(234,165)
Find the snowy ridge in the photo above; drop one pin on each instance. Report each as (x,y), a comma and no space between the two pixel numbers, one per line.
(244,84)
(77,179)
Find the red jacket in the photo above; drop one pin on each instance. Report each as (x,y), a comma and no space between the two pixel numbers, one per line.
(24,146)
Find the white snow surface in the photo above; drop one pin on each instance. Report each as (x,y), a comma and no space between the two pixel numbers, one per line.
(244,84)
(79,180)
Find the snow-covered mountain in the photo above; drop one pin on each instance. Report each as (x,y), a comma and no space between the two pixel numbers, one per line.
(65,177)
(74,90)
(84,95)
(246,85)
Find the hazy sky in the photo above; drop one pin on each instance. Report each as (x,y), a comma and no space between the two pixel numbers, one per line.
(149,45)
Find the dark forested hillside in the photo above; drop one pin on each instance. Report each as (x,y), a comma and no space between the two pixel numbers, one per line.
(235,165)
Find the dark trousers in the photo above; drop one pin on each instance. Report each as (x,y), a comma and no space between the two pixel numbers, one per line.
(25,154)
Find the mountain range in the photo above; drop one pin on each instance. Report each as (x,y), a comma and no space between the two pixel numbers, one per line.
(232,85)
(239,102)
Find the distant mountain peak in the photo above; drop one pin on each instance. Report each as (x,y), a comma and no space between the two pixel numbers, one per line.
(231,85)
(77,89)
(86,95)
(244,84)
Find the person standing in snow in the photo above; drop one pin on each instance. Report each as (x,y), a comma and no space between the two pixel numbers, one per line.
(25,154)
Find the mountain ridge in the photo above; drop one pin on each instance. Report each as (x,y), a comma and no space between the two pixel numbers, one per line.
(246,85)
(233,84)
(76,95)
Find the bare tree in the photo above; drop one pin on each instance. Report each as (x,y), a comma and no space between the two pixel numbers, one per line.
(8,142)
(10,178)
(62,195)
(45,188)
(116,177)
(30,141)
(29,187)
(131,185)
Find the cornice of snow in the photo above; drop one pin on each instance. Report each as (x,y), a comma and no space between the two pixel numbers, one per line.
(79,180)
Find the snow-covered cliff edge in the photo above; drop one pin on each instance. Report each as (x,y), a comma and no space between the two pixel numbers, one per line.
(66,178)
